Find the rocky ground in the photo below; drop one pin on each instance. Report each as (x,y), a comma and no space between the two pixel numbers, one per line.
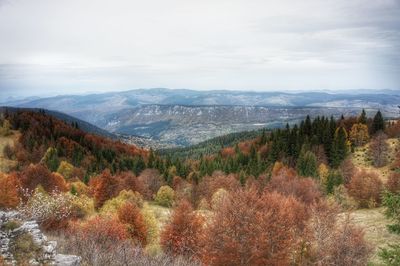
(22,242)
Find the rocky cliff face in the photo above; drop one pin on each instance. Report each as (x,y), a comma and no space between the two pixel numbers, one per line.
(18,236)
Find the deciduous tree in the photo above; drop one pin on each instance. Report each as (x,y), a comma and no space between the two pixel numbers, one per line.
(183,234)
(359,134)
(366,187)
(130,215)
(253,230)
(9,190)
(378,149)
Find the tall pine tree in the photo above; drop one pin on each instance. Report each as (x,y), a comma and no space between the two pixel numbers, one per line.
(363,117)
(339,148)
(378,124)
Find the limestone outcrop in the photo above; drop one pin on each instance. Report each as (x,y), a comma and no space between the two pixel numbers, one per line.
(12,227)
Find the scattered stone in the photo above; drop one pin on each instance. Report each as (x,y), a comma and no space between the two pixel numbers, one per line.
(49,248)
(67,260)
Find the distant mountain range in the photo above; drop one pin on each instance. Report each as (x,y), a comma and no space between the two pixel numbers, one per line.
(185,117)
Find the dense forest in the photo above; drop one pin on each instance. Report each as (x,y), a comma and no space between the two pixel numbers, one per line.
(268,197)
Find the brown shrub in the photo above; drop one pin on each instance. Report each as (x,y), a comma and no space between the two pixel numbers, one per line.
(347,169)
(365,187)
(8,151)
(99,240)
(227,152)
(130,215)
(152,181)
(104,187)
(288,183)
(182,235)
(129,181)
(348,246)
(9,190)
(253,230)
(393,130)
(210,184)
(393,183)
(333,242)
(378,149)
(35,175)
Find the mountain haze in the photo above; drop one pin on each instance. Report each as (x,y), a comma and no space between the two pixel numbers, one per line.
(184,117)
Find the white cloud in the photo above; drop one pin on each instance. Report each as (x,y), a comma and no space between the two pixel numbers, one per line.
(80,45)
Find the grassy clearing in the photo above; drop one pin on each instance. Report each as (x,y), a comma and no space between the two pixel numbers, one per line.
(5,163)
(375,224)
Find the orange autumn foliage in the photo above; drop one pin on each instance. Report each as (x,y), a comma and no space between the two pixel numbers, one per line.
(35,175)
(152,181)
(104,187)
(9,190)
(210,184)
(182,235)
(249,229)
(98,235)
(288,183)
(100,229)
(366,187)
(130,215)
(227,152)
(129,181)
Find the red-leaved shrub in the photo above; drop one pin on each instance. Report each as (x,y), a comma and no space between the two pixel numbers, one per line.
(182,235)
(130,215)
(249,229)
(366,187)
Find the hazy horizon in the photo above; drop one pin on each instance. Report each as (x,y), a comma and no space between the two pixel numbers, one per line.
(4,97)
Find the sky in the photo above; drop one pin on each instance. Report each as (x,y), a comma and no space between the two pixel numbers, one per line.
(51,47)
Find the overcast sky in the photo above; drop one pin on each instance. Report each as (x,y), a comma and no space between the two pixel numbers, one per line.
(76,46)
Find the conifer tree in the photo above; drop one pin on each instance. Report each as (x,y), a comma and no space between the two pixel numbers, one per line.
(362,119)
(263,138)
(378,124)
(242,178)
(339,148)
(307,163)
(151,160)
(51,159)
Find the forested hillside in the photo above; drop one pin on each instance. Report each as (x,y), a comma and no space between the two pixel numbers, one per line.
(276,197)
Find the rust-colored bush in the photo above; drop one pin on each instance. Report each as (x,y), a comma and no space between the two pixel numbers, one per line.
(393,183)
(332,241)
(152,181)
(288,183)
(182,235)
(227,152)
(35,175)
(393,130)
(129,181)
(100,230)
(348,246)
(130,215)
(9,190)
(347,169)
(210,184)
(104,187)
(366,187)
(253,230)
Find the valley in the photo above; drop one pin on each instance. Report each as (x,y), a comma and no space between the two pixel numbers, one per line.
(164,118)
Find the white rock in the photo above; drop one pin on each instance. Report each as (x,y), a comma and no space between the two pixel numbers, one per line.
(67,260)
